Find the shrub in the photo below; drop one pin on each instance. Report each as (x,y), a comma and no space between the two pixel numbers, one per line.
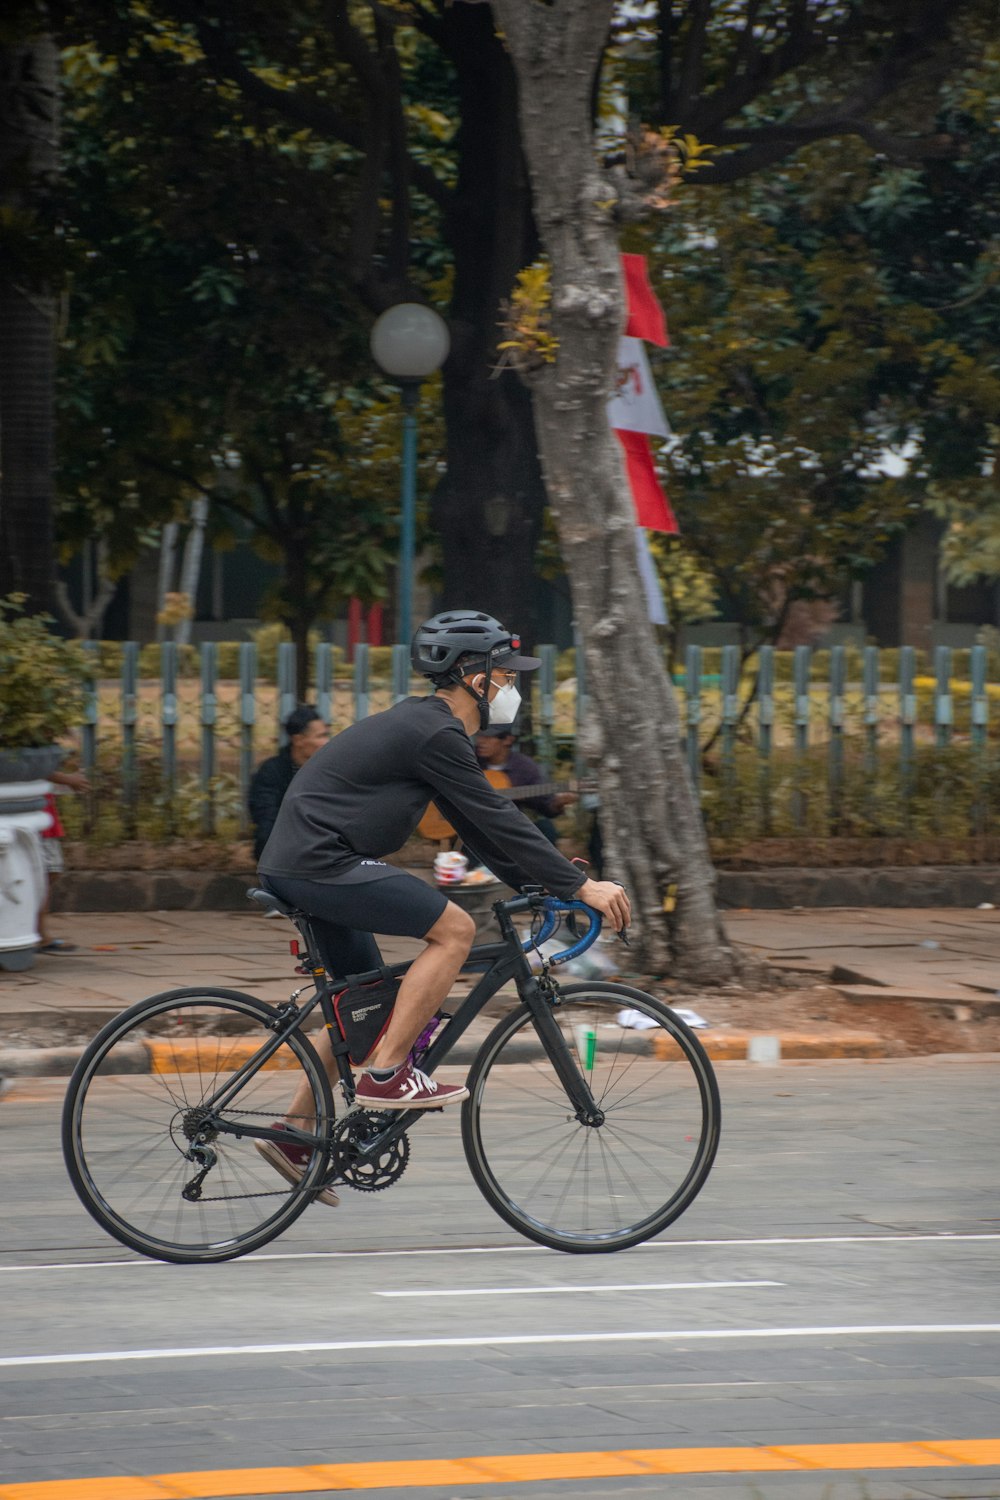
(267,639)
(42,679)
(150,657)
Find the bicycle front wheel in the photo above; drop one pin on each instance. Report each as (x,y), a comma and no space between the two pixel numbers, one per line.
(590,1188)
(132,1115)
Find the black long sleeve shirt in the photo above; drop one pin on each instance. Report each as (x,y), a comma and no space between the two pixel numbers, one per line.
(266,792)
(364,793)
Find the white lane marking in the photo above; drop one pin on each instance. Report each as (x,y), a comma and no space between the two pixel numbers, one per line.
(947,1237)
(478,1341)
(544,1291)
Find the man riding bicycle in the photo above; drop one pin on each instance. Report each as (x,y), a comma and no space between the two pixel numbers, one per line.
(361,796)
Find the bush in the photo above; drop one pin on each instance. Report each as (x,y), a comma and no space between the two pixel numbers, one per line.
(150,658)
(42,678)
(267,639)
(947,791)
(380,662)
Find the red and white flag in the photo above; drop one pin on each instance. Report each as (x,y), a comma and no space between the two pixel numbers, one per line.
(635,406)
(645,315)
(635,414)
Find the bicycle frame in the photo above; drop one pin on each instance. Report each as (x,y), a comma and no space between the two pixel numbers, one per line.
(503,960)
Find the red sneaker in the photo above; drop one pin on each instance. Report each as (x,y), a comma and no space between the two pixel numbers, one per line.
(408,1088)
(292,1161)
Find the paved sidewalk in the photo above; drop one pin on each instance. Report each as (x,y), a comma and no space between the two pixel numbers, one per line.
(941,956)
(947,957)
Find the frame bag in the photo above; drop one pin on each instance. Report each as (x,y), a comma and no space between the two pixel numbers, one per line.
(363,1012)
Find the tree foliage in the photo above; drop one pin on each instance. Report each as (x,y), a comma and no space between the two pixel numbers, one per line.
(761,79)
(835,358)
(29,133)
(828,300)
(214,339)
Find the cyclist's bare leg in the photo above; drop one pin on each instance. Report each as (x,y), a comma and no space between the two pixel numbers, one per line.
(302,1110)
(425,986)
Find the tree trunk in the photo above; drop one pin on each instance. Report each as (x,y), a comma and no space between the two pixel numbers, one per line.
(168,566)
(87,623)
(194,548)
(28,157)
(299,612)
(488,508)
(654,838)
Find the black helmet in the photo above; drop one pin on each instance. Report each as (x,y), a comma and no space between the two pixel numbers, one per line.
(442,641)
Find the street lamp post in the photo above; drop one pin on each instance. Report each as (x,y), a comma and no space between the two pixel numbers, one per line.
(409,341)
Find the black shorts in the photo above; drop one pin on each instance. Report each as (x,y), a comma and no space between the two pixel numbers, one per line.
(346,915)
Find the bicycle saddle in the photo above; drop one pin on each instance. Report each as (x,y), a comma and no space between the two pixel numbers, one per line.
(265,899)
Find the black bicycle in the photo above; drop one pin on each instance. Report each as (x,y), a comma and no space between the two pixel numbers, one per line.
(586,1128)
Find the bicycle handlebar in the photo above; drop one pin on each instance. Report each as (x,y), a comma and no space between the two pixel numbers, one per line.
(553,908)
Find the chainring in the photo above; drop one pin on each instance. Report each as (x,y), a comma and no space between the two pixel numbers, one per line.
(354,1130)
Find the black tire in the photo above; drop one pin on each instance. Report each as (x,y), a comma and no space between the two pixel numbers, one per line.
(662,1114)
(131,1183)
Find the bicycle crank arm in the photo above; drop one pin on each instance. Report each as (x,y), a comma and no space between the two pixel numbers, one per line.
(368,1150)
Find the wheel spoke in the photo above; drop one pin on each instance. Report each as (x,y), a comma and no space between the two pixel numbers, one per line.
(618,1182)
(636,1135)
(612,1197)
(550,1167)
(125,1139)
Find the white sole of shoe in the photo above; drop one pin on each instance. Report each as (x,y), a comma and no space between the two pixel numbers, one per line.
(279,1161)
(364,1102)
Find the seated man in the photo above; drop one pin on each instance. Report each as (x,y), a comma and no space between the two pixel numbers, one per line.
(272,778)
(361,797)
(495,752)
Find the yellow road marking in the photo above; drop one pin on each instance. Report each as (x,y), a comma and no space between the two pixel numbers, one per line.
(515,1468)
(865,1456)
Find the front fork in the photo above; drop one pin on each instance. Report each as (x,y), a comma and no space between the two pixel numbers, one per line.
(539,999)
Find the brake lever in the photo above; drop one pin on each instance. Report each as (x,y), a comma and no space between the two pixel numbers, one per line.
(623,936)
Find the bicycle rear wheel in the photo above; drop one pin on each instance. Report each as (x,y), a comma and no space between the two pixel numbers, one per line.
(585,1188)
(132,1114)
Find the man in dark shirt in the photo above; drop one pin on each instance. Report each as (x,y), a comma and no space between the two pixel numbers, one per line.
(363,794)
(495,752)
(306,734)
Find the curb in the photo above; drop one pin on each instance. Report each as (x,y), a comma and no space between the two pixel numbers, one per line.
(183,1054)
(736,1046)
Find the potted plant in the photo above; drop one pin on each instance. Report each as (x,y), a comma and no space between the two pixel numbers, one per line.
(42,692)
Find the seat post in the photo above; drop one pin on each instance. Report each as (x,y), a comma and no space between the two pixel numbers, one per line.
(311,940)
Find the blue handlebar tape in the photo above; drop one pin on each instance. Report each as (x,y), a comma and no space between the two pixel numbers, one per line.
(553,909)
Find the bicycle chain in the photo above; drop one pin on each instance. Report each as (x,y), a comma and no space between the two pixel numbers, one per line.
(377,1180)
(240,1197)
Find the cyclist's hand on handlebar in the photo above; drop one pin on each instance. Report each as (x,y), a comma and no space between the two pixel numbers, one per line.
(609,899)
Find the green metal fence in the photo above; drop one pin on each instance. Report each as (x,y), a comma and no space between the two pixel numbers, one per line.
(789,743)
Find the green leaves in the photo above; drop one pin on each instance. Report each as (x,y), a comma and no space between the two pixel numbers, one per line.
(897,194)
(41,679)
(835,363)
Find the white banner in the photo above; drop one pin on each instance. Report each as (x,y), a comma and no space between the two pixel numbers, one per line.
(656,605)
(635,407)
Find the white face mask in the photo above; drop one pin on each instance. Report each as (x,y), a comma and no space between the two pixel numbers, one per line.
(503,709)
